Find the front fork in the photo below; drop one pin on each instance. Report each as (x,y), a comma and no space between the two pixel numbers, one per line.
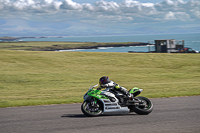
(93,102)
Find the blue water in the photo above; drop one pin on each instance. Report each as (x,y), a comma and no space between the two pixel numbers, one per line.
(191,40)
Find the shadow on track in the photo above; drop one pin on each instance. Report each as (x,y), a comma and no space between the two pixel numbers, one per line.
(83,116)
(74,115)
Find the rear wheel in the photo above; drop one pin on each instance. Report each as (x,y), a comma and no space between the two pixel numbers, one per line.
(143,108)
(92,109)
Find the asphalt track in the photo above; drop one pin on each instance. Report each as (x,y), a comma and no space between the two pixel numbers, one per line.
(170,115)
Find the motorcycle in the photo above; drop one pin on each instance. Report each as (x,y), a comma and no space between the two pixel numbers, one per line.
(109,101)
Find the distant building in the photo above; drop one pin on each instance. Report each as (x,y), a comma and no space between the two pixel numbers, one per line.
(168,46)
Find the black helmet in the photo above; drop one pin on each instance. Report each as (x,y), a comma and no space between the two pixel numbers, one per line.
(104,80)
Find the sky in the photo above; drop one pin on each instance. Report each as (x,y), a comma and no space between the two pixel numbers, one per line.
(98,17)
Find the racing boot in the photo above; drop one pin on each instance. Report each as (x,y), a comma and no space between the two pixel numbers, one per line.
(129,95)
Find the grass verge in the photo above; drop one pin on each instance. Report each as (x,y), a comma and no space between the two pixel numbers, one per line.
(46,77)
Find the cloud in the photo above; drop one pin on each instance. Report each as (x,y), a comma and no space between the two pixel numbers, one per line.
(70,5)
(127,8)
(182,16)
(124,14)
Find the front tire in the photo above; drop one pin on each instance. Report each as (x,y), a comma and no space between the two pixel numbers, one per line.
(145,108)
(91,110)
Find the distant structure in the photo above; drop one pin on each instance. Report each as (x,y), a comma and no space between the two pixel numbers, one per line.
(168,46)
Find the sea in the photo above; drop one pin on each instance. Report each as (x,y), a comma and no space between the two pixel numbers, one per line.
(191,40)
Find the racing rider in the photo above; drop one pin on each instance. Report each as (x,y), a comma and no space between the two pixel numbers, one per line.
(104,82)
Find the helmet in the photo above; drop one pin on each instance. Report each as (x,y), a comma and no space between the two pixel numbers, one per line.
(104,80)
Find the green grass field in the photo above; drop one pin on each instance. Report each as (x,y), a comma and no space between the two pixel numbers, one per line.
(40,78)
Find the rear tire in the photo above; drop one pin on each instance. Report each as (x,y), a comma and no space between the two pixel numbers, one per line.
(143,110)
(90,110)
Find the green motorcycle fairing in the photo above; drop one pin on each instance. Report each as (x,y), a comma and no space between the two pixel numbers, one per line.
(96,94)
(135,91)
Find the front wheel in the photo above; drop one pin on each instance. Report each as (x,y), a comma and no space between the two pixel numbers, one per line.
(91,109)
(144,108)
